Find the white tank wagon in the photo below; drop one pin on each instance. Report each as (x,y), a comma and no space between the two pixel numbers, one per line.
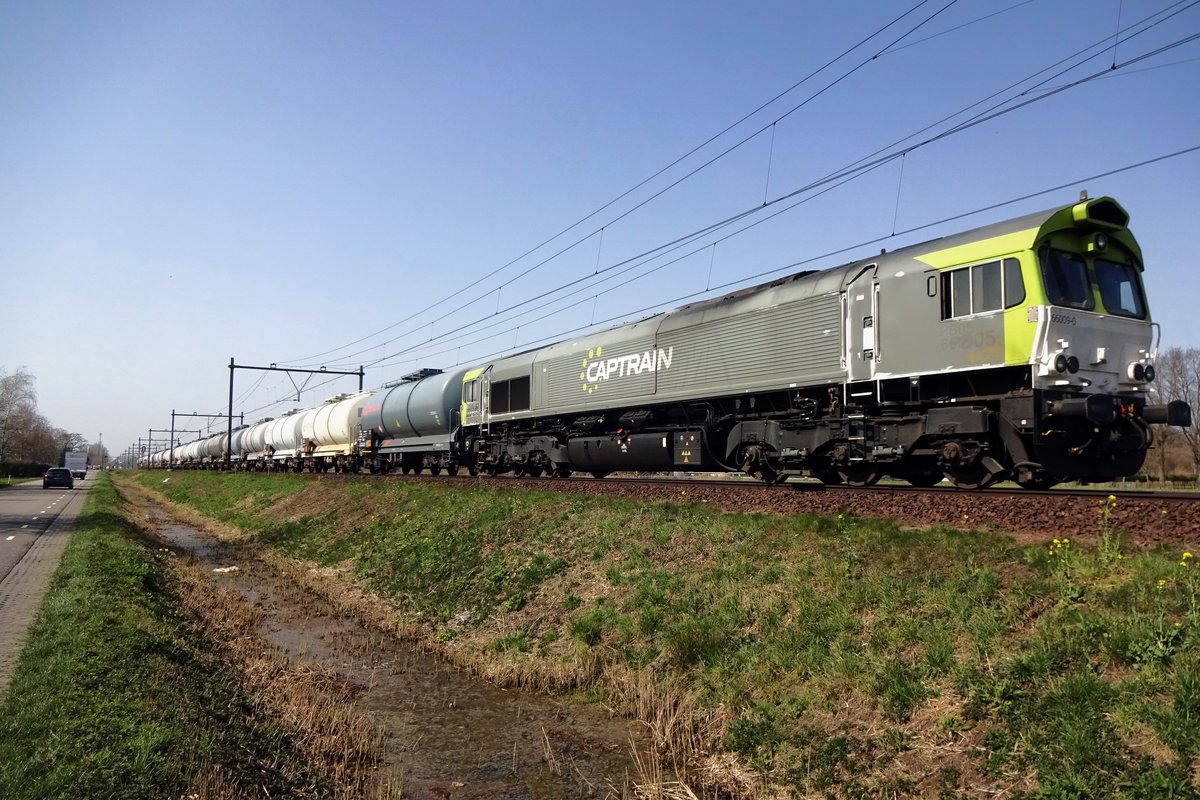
(234,448)
(284,439)
(330,434)
(254,445)
(214,449)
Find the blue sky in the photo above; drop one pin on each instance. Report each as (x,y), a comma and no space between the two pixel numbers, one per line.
(183,183)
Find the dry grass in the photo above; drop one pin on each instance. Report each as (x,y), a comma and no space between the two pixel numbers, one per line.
(312,703)
(682,739)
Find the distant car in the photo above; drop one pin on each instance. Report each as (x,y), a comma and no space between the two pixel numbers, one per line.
(58,476)
(81,474)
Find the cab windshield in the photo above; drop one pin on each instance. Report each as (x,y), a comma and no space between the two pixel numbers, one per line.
(1120,290)
(1066,278)
(1069,282)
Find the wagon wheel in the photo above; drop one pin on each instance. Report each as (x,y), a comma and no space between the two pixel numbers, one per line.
(561,472)
(598,474)
(405,469)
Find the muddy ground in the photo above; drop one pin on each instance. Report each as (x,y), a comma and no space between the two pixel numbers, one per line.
(437,732)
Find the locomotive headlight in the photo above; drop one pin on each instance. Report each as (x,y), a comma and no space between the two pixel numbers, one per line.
(1072,364)
(1101,242)
(1136,372)
(1060,363)
(1149,373)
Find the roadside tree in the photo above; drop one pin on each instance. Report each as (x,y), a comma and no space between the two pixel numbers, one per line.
(1179,379)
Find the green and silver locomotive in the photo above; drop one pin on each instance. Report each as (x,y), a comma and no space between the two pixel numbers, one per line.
(1022,349)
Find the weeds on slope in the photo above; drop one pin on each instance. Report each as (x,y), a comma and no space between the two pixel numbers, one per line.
(842,656)
(117,695)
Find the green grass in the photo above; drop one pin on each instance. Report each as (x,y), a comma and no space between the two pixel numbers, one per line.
(855,658)
(115,695)
(6,482)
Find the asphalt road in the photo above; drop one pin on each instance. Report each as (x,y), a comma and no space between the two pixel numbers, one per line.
(35,525)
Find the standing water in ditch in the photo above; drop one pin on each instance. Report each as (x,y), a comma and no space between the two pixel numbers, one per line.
(447,736)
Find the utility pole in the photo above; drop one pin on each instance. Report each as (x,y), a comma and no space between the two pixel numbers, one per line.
(273,368)
(160,430)
(175,414)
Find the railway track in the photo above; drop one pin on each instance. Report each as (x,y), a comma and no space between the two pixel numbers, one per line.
(1145,518)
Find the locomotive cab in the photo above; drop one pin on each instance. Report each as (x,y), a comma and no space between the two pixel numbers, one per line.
(1092,348)
(1027,347)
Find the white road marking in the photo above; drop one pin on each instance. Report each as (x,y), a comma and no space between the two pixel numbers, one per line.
(9,539)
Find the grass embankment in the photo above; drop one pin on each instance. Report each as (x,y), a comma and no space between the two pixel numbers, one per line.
(842,656)
(119,694)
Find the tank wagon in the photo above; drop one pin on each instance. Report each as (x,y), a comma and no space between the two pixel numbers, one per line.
(1023,349)
(415,424)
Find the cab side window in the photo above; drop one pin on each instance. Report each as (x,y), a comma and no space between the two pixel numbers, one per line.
(1014,284)
(981,288)
(509,396)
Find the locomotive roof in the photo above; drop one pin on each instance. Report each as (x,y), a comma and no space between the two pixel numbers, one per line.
(1101,212)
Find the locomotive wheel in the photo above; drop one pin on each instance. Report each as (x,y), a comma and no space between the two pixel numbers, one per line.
(436,469)
(561,472)
(405,469)
(923,478)
(979,474)
(1040,482)
(828,477)
(452,469)
(860,475)
(472,470)
(599,474)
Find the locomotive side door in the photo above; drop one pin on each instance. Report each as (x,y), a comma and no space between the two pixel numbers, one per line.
(485,398)
(860,300)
